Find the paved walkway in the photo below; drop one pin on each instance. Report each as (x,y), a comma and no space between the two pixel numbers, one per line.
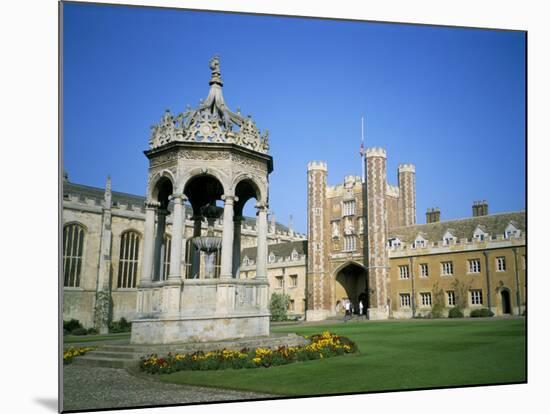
(86,387)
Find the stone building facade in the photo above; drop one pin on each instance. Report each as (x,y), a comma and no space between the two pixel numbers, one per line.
(124,254)
(365,245)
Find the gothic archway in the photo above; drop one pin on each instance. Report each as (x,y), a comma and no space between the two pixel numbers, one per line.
(350,282)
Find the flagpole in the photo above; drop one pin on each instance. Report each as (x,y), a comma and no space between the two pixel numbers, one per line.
(362,152)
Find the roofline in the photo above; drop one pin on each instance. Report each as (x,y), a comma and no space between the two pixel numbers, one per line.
(460,219)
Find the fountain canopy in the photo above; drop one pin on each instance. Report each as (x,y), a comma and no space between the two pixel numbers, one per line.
(212,121)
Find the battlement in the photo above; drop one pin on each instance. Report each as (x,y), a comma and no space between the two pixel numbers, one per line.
(317,165)
(375,152)
(392,190)
(406,168)
(464,244)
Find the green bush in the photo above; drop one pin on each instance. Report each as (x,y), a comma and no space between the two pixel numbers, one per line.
(122,325)
(278,306)
(79,331)
(71,325)
(481,313)
(455,313)
(92,331)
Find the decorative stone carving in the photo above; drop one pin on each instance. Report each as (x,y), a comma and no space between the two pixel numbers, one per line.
(335,230)
(211,122)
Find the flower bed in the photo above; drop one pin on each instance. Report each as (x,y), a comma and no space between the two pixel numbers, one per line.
(323,345)
(70,353)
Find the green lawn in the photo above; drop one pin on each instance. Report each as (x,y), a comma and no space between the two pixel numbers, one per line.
(69,339)
(393,356)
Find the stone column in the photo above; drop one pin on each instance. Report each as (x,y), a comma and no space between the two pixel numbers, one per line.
(159,239)
(261,255)
(227,237)
(237,246)
(144,303)
(103,293)
(171,293)
(178,239)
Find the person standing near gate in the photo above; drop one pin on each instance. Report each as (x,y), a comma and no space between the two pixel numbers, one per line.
(347,308)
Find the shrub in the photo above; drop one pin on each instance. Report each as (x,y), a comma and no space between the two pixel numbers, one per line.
(481,313)
(71,325)
(455,313)
(92,331)
(122,325)
(79,331)
(278,306)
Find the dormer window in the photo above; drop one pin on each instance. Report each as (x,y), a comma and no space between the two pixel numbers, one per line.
(394,242)
(448,238)
(511,231)
(479,234)
(246,261)
(271,257)
(294,255)
(419,242)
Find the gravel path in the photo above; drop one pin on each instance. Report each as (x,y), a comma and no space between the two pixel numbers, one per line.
(86,387)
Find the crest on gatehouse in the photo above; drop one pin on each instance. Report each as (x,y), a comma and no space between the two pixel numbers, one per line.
(212,121)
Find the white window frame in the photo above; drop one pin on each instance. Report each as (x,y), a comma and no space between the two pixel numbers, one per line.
(474,266)
(271,258)
(404,272)
(419,242)
(350,243)
(479,234)
(511,231)
(348,208)
(128,262)
(451,298)
(395,242)
(500,264)
(426,299)
(405,300)
(476,297)
(424,270)
(447,268)
(74,249)
(448,237)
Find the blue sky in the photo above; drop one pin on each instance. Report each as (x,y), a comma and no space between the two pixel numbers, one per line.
(449,100)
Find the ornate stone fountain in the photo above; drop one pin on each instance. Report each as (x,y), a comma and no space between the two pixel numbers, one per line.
(209,244)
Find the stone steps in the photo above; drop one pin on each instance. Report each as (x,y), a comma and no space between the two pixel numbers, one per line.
(127,355)
(106,362)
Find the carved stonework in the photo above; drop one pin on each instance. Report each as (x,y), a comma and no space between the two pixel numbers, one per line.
(163,159)
(204,155)
(211,122)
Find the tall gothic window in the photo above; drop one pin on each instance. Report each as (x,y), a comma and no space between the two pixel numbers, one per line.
(73,248)
(166,247)
(129,259)
(349,208)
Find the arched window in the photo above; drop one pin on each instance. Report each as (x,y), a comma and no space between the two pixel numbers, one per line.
(166,248)
(73,249)
(129,259)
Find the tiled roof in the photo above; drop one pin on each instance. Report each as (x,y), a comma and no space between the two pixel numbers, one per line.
(494,224)
(279,249)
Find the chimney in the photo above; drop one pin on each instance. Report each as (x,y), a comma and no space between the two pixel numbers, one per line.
(480,208)
(433,215)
